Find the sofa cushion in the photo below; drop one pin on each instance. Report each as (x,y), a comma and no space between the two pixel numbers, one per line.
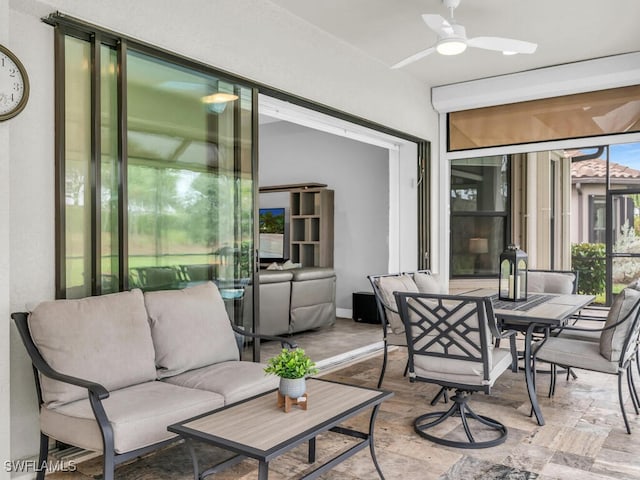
(235,381)
(312,273)
(104,339)
(313,292)
(612,340)
(388,285)
(308,317)
(274,308)
(190,329)
(274,276)
(313,301)
(139,416)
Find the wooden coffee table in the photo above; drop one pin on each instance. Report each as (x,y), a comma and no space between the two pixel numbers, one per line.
(257,428)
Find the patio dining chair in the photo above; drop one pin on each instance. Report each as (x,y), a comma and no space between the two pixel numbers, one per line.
(548,281)
(613,352)
(552,281)
(450,340)
(392,326)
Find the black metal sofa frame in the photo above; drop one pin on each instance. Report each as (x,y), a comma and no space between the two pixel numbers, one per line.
(97,393)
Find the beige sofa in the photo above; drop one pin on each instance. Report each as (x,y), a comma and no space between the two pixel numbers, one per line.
(114,371)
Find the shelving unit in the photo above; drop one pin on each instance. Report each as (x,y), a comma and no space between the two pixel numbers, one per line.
(311,225)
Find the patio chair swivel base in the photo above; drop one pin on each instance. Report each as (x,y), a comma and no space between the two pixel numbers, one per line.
(461,409)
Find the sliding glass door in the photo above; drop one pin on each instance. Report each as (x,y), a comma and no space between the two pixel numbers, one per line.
(156,173)
(623,216)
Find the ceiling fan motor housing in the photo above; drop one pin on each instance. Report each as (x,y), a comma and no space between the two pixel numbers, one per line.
(451,3)
(459,32)
(452,43)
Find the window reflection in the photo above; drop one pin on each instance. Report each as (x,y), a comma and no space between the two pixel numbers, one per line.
(184,195)
(77,189)
(479,199)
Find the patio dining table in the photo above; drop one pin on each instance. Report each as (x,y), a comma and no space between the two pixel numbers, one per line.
(539,312)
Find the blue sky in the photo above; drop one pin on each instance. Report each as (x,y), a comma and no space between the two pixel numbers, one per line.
(626,154)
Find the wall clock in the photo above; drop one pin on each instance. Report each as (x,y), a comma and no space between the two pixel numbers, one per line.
(14,85)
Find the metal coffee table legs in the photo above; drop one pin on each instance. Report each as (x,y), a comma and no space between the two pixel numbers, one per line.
(367,440)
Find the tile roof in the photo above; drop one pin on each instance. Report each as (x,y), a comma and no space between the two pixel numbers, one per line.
(597,168)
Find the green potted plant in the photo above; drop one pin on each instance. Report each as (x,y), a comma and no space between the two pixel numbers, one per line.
(292,366)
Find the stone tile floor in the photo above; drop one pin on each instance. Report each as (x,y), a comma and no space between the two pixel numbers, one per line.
(584,437)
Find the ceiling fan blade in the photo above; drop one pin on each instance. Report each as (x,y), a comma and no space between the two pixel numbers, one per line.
(438,24)
(414,57)
(502,44)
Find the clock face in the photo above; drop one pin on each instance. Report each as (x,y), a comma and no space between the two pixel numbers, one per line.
(14,85)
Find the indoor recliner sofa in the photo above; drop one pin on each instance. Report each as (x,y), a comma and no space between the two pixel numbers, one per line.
(294,300)
(113,371)
(313,298)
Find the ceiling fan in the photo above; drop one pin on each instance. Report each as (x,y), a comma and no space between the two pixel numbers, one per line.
(452,39)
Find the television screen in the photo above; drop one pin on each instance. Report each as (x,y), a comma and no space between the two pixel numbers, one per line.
(271,223)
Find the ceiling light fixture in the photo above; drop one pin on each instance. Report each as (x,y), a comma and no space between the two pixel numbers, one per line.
(217,102)
(454,42)
(451,46)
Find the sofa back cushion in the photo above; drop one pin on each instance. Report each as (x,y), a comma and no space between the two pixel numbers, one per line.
(625,306)
(190,329)
(103,339)
(395,283)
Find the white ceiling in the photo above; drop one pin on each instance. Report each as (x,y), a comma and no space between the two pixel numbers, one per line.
(391,30)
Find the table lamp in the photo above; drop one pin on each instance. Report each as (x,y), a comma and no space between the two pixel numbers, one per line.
(478,246)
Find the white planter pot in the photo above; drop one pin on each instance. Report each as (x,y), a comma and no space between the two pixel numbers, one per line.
(293,387)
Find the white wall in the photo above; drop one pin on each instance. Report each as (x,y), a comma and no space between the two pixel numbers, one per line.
(359,175)
(5,418)
(251,38)
(31,222)
(407,229)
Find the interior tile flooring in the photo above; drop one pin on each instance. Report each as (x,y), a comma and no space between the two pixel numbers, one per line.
(584,436)
(332,344)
